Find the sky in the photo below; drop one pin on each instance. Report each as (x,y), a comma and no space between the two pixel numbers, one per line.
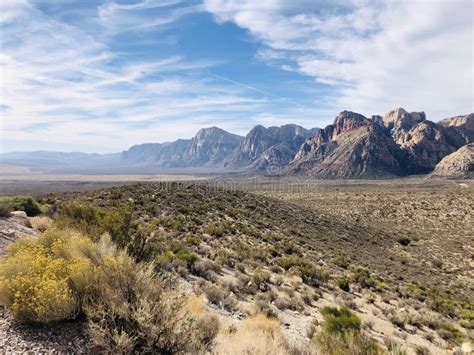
(100,76)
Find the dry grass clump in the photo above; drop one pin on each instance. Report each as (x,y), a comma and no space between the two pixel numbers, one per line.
(5,209)
(41,223)
(257,335)
(135,311)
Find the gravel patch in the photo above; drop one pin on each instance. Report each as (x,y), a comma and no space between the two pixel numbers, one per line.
(61,338)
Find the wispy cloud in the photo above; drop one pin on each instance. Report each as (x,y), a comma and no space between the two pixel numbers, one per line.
(144,15)
(375,55)
(60,83)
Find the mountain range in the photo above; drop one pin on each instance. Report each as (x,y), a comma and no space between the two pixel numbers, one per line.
(400,143)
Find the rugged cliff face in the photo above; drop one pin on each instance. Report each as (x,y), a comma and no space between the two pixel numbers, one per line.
(399,143)
(211,146)
(353,146)
(462,124)
(424,142)
(268,146)
(459,164)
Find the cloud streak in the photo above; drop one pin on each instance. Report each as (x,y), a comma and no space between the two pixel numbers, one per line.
(375,55)
(60,83)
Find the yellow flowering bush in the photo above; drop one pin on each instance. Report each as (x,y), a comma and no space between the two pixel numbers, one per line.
(43,279)
(129,307)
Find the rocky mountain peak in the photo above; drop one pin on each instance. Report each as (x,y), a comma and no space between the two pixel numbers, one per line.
(211,145)
(348,121)
(399,119)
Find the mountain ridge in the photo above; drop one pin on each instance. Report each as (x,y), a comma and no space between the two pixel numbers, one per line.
(397,144)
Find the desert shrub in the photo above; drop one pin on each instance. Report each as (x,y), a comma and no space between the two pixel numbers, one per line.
(206,269)
(27,204)
(362,276)
(450,333)
(85,218)
(208,323)
(398,321)
(41,223)
(5,209)
(287,262)
(293,303)
(215,229)
(312,275)
(404,241)
(261,279)
(394,347)
(341,334)
(439,300)
(339,320)
(93,221)
(421,350)
(214,293)
(118,223)
(352,342)
(265,308)
(38,278)
(342,261)
(179,255)
(344,284)
(257,335)
(134,310)
(129,307)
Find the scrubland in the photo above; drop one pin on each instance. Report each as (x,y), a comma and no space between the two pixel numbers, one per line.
(179,268)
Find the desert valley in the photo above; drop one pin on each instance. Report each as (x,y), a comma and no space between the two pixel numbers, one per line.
(237,177)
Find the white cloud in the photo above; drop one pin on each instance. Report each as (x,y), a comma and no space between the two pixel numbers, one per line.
(62,86)
(376,55)
(144,15)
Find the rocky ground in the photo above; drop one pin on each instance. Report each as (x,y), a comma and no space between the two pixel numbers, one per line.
(66,338)
(12,228)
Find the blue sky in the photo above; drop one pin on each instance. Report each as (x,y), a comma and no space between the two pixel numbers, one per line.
(99,76)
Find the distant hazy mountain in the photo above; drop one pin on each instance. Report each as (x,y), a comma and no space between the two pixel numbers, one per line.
(45,160)
(210,146)
(399,143)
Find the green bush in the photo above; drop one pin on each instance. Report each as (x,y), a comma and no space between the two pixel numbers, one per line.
(339,320)
(82,217)
(94,221)
(344,284)
(312,275)
(362,276)
(352,342)
(287,262)
(341,334)
(21,203)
